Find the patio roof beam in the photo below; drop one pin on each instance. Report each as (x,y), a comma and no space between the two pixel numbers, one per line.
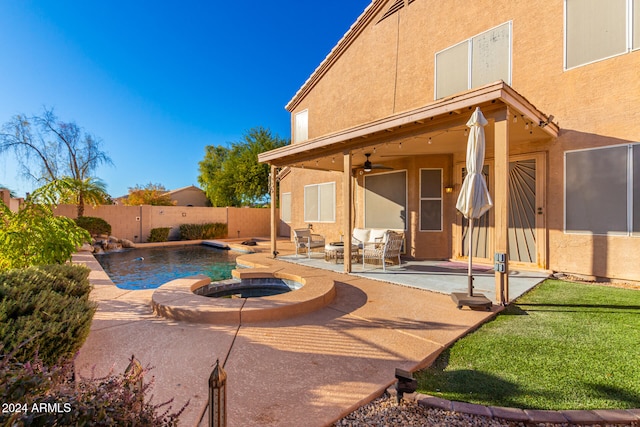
(501,201)
(421,119)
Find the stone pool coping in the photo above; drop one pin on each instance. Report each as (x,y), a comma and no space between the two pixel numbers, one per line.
(176,300)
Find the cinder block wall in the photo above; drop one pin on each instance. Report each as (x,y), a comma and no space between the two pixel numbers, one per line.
(135,222)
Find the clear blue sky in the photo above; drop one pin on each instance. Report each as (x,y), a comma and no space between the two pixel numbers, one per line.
(158,81)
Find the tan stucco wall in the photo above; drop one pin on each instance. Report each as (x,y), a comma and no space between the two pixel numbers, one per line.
(389,68)
(135,222)
(419,244)
(294,183)
(190,197)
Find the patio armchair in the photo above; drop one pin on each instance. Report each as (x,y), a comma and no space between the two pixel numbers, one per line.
(307,241)
(365,236)
(384,251)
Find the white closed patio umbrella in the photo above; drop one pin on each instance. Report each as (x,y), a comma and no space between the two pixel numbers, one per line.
(474,199)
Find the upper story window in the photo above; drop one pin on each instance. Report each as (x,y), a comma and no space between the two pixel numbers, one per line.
(301,126)
(600,29)
(477,61)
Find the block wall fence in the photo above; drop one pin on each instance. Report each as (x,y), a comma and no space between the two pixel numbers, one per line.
(135,222)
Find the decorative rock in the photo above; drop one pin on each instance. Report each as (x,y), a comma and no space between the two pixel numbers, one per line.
(127,243)
(113,246)
(384,411)
(86,247)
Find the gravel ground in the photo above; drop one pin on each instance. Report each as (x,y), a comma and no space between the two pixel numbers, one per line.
(385,412)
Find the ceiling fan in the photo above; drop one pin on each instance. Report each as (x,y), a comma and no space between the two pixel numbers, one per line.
(368,166)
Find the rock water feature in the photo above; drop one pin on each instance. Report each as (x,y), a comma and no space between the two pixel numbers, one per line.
(101,244)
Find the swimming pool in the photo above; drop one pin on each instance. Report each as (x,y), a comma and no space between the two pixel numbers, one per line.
(149,268)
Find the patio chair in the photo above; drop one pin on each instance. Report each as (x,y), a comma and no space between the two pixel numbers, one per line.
(388,249)
(307,241)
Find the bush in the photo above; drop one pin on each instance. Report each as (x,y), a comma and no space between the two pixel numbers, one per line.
(47,307)
(203,231)
(34,236)
(159,234)
(112,400)
(95,226)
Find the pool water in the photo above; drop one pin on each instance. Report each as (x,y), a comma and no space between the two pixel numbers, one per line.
(248,288)
(149,268)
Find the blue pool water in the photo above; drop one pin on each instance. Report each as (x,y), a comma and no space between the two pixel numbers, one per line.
(149,268)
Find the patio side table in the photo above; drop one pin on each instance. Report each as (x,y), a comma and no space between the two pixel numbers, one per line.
(334,251)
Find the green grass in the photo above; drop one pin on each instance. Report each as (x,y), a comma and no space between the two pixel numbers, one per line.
(562,346)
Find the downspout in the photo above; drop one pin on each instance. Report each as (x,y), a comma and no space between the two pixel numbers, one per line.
(273,185)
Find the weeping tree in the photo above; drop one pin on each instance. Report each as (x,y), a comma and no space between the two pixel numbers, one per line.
(49,150)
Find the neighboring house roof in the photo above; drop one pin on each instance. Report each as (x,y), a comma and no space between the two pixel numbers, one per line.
(184,196)
(179,190)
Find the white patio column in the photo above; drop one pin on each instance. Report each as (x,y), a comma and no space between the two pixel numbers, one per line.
(501,201)
(274,217)
(347,192)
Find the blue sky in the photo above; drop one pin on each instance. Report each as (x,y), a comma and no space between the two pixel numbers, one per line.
(159,81)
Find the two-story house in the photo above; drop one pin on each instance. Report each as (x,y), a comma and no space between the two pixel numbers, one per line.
(379,131)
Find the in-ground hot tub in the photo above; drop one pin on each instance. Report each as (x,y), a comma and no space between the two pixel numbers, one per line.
(183,299)
(248,288)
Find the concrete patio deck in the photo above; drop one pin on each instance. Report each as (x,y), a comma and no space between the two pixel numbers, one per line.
(437,276)
(307,370)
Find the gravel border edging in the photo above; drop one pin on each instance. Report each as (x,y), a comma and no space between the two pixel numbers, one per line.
(598,416)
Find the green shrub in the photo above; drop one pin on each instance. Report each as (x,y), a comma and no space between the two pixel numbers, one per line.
(94,225)
(34,236)
(203,231)
(159,234)
(112,400)
(48,307)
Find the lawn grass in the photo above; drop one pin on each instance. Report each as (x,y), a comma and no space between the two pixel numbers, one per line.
(562,346)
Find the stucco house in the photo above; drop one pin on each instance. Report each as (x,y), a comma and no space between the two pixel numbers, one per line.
(559,83)
(189,196)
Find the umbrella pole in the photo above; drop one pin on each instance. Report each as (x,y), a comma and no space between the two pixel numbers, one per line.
(470,274)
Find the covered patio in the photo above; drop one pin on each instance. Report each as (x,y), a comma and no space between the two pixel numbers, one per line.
(436,130)
(443,277)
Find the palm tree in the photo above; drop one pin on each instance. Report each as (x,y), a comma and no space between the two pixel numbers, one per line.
(75,191)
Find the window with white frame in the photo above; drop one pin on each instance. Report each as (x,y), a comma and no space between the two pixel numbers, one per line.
(600,29)
(285,207)
(602,190)
(635,24)
(301,126)
(477,61)
(385,200)
(320,202)
(430,199)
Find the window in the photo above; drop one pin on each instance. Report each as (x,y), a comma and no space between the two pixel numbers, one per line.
(301,129)
(477,61)
(320,202)
(600,29)
(602,190)
(635,24)
(285,207)
(430,199)
(385,200)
